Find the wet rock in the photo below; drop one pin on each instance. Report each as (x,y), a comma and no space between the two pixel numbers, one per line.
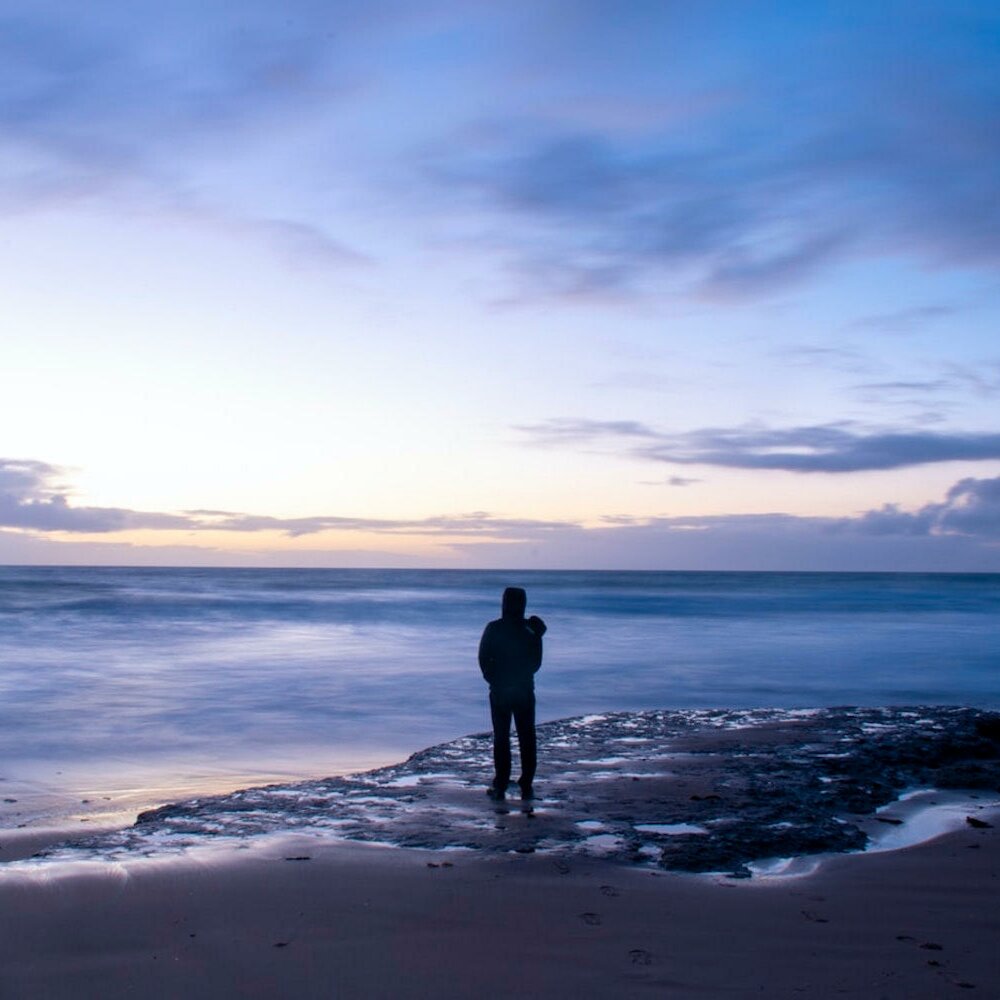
(757,784)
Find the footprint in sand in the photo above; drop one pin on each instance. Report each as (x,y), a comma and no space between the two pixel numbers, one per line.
(609,890)
(561,867)
(639,956)
(591,919)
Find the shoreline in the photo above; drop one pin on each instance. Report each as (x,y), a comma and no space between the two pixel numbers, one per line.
(688,790)
(406,881)
(298,917)
(38,794)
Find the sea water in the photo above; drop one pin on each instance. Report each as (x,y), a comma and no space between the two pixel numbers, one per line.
(148,674)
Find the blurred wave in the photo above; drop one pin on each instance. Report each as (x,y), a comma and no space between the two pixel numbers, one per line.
(246,665)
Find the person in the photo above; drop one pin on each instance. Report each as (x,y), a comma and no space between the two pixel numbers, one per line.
(510,654)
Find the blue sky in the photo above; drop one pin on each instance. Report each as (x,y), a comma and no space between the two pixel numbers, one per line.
(581,284)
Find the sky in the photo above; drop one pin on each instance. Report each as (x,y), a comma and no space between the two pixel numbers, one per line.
(566,284)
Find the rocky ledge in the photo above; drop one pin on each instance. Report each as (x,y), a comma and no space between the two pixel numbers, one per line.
(684,790)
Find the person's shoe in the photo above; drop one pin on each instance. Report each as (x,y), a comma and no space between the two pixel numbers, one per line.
(494,793)
(527,792)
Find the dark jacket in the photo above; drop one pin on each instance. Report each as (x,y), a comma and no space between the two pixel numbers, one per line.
(510,653)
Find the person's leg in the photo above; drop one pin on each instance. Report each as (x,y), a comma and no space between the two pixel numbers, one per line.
(500,711)
(524,720)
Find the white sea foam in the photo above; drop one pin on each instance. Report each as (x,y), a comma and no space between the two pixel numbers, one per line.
(670,829)
(926,815)
(601,843)
(923,815)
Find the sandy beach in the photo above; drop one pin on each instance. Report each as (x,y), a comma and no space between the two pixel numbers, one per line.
(650,864)
(300,917)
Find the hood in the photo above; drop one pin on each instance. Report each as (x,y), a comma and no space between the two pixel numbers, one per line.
(515,600)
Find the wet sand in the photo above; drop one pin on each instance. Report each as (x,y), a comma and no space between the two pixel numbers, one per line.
(301,917)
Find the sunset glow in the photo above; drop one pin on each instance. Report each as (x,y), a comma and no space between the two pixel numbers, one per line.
(566,285)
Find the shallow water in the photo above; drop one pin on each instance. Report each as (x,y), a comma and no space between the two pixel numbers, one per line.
(140,677)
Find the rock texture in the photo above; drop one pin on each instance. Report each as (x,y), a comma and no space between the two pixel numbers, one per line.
(685,790)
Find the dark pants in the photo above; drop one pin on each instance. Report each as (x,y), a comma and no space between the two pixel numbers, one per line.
(520,705)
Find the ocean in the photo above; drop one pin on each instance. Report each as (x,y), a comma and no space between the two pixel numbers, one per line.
(146,682)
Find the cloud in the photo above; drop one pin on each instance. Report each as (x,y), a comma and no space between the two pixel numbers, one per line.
(743,273)
(910,394)
(904,320)
(726,152)
(770,151)
(677,481)
(479,523)
(33,498)
(122,105)
(831,448)
(567,430)
(971,507)
(834,358)
(961,533)
(958,380)
(299,242)
(983,381)
(921,385)
(822,448)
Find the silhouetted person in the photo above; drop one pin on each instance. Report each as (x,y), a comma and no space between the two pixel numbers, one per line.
(510,653)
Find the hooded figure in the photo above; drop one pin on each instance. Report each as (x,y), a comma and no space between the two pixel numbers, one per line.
(510,654)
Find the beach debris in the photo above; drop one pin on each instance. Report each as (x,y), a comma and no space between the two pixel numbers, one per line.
(978,824)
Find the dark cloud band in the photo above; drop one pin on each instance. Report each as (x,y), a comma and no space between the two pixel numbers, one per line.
(831,448)
(31,499)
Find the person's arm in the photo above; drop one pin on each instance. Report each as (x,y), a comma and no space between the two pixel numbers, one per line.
(537,628)
(487,655)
